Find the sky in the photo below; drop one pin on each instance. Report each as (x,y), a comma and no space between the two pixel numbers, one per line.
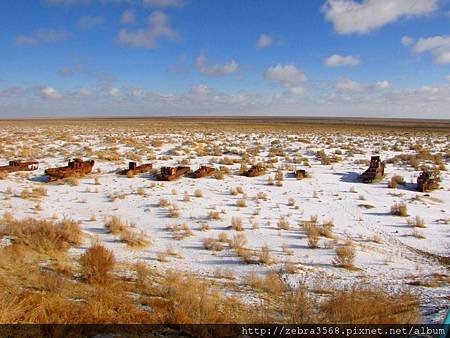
(345,58)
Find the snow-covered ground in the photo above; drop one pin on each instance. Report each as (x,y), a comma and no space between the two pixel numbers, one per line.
(386,250)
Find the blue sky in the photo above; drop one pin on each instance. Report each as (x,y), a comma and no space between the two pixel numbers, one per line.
(196,57)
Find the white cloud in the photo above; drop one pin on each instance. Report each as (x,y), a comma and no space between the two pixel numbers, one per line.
(339,60)
(426,102)
(383,85)
(158,27)
(163,3)
(350,16)
(288,76)
(115,92)
(41,36)
(407,41)
(86,23)
(447,77)
(347,85)
(206,68)
(199,90)
(128,17)
(438,46)
(48,93)
(264,41)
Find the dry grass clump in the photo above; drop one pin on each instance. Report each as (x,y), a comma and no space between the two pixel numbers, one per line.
(164,202)
(73,181)
(237,224)
(326,229)
(345,256)
(116,226)
(219,174)
(215,215)
(283,224)
(135,239)
(264,255)
(3,175)
(96,264)
(371,305)
(399,209)
(38,192)
(395,181)
(242,203)
(180,231)
(174,211)
(416,222)
(210,243)
(271,283)
(43,236)
(198,193)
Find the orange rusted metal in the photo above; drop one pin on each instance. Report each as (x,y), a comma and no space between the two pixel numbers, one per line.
(427,181)
(172,173)
(375,170)
(255,170)
(18,165)
(75,167)
(204,171)
(134,169)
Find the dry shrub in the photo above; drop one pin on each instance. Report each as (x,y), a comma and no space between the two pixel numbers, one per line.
(292,202)
(270,283)
(198,193)
(135,239)
(212,244)
(345,256)
(395,181)
(3,175)
(117,226)
(215,215)
(164,202)
(264,255)
(288,251)
(283,224)
(399,209)
(174,211)
(371,305)
(192,300)
(236,224)
(326,229)
(416,222)
(96,264)
(241,203)
(73,181)
(180,231)
(219,174)
(238,241)
(44,236)
(279,176)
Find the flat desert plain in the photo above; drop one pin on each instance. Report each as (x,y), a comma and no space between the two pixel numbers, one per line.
(325,232)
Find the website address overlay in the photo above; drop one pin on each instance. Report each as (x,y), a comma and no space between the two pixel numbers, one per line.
(221,330)
(346,330)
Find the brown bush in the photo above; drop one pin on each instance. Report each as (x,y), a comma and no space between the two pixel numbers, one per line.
(97,264)
(399,209)
(345,256)
(371,305)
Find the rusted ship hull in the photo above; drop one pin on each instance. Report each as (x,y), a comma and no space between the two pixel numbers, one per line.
(203,172)
(15,166)
(74,168)
(171,174)
(133,169)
